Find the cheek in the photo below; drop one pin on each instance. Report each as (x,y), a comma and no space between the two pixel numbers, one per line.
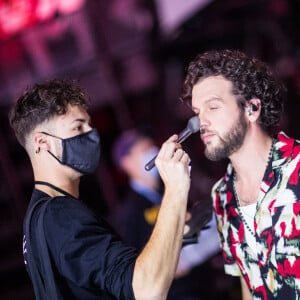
(136,164)
(221,123)
(225,122)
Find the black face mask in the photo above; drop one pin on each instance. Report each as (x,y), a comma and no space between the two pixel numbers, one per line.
(80,152)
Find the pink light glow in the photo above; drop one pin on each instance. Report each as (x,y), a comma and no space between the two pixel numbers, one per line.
(17,15)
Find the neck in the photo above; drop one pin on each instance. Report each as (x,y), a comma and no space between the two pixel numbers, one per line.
(55,190)
(66,183)
(47,169)
(250,161)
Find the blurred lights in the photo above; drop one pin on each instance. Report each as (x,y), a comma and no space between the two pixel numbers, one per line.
(17,15)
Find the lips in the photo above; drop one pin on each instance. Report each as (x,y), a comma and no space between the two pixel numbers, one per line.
(206,137)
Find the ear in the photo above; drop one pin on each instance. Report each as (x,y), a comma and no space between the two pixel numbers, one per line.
(40,142)
(253,109)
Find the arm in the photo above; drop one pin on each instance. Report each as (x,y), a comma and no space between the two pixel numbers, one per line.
(208,245)
(246,295)
(156,265)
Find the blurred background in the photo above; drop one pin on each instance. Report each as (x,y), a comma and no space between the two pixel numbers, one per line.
(131,57)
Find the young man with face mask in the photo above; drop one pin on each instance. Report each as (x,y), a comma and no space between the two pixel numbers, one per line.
(70,252)
(239,102)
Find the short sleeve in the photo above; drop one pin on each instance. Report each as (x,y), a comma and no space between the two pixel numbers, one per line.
(86,251)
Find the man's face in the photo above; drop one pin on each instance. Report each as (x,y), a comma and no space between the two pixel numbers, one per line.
(223,124)
(76,121)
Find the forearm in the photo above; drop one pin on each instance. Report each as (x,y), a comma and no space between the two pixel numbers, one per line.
(156,265)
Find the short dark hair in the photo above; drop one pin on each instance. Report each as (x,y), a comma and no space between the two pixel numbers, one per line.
(250,77)
(43,101)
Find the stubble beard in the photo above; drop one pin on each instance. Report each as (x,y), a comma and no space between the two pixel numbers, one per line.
(230,142)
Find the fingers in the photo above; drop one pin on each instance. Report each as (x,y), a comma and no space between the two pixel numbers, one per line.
(180,155)
(169,146)
(171,152)
(173,166)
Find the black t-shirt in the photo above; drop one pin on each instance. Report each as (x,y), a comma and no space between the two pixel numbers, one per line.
(132,222)
(88,260)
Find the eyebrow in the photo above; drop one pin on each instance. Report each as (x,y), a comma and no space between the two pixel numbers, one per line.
(81,120)
(211,99)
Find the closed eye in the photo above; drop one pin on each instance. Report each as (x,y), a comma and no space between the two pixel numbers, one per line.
(213,107)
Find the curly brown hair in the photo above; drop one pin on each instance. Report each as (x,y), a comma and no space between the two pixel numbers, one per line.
(250,77)
(43,101)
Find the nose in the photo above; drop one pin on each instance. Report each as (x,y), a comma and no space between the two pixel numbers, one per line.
(88,128)
(202,129)
(203,120)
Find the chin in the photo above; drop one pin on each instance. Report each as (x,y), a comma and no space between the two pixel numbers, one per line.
(214,154)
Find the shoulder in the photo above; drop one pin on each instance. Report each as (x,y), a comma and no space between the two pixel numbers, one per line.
(286,156)
(67,214)
(63,205)
(67,217)
(286,145)
(69,221)
(63,210)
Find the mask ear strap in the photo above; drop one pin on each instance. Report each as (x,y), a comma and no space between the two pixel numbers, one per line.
(55,157)
(48,150)
(51,135)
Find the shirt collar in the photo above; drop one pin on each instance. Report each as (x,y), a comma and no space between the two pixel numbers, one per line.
(282,154)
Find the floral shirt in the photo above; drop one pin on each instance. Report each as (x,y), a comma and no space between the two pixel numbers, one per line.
(273,270)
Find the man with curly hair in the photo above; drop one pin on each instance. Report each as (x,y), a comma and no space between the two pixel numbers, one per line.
(257,203)
(70,252)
